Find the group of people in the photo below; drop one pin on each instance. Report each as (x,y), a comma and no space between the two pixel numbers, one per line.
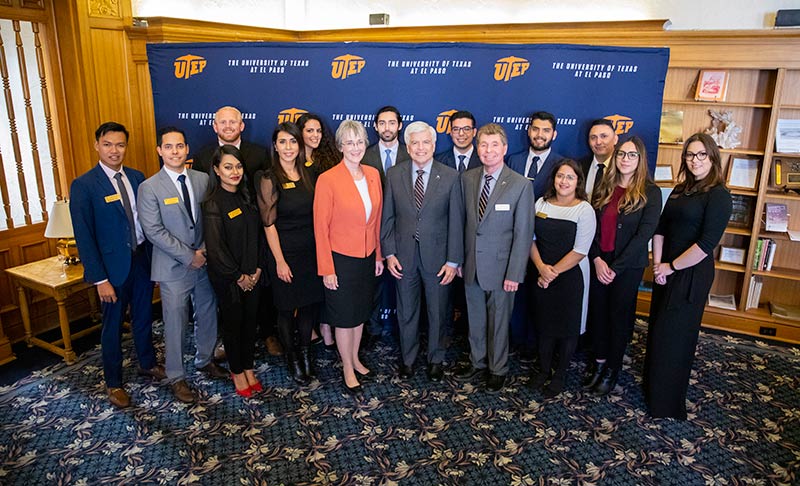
(329,226)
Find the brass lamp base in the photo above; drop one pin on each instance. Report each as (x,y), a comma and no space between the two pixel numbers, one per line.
(68,248)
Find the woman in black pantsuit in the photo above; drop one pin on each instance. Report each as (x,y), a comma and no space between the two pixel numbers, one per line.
(235,245)
(627,203)
(691,225)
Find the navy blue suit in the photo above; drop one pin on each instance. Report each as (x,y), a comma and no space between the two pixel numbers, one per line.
(102,232)
(517,163)
(448,158)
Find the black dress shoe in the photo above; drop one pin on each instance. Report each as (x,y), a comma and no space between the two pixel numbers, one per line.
(554,388)
(607,382)
(467,373)
(405,372)
(494,383)
(364,377)
(435,372)
(354,391)
(214,370)
(538,379)
(591,376)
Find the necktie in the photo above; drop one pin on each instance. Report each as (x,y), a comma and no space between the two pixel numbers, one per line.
(484,196)
(419,194)
(533,170)
(598,177)
(126,204)
(461,165)
(388,162)
(187,202)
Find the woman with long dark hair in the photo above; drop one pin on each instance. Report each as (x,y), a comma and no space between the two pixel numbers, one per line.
(563,233)
(691,225)
(627,203)
(235,245)
(286,200)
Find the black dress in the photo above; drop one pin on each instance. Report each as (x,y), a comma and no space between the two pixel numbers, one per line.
(289,207)
(560,308)
(676,309)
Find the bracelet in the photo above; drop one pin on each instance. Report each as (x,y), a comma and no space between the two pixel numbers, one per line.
(672,267)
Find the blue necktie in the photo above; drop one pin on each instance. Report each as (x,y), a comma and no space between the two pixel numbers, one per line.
(187,202)
(388,162)
(126,205)
(461,166)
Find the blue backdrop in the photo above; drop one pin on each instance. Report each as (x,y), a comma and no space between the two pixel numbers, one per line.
(502,83)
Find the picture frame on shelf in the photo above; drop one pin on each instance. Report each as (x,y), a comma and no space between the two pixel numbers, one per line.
(712,85)
(743,172)
(741,211)
(671,127)
(731,254)
(777,217)
(663,173)
(787,136)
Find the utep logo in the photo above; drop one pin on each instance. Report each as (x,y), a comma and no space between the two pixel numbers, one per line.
(510,67)
(290,115)
(443,121)
(189,65)
(622,124)
(346,65)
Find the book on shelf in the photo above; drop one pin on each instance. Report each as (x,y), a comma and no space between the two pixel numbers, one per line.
(784,311)
(754,294)
(777,217)
(765,254)
(722,301)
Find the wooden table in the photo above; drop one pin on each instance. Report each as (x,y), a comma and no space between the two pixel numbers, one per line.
(55,280)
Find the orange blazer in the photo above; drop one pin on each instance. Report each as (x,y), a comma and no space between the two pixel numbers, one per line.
(340,220)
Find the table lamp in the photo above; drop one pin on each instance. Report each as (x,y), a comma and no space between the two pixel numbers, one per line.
(59,225)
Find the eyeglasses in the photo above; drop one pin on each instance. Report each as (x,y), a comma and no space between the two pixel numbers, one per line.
(701,156)
(357,143)
(463,130)
(569,177)
(627,155)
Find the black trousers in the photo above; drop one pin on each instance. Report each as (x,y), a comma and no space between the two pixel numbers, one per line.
(237,313)
(294,326)
(612,314)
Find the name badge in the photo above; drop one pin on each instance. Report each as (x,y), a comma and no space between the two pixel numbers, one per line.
(234,213)
(502,207)
(171,200)
(288,185)
(309,163)
(540,214)
(113,197)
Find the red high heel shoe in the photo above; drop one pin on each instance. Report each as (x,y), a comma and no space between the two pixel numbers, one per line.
(245,392)
(256,388)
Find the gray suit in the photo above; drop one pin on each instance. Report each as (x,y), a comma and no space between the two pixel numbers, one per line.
(175,237)
(496,248)
(440,226)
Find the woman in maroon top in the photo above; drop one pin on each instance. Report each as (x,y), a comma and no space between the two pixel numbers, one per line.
(628,204)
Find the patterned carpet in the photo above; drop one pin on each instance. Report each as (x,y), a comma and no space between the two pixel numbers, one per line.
(56,427)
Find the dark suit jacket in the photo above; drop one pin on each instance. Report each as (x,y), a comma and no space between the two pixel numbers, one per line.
(634,230)
(449,159)
(255,158)
(101,227)
(373,157)
(497,247)
(585,162)
(440,220)
(517,163)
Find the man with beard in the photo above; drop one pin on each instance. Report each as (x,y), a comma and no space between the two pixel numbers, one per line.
(389,150)
(228,125)
(537,162)
(602,140)
(463,155)
(385,154)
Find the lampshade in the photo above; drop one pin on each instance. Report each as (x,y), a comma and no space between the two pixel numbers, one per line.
(60,223)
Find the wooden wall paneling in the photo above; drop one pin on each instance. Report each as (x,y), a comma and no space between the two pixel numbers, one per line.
(791,92)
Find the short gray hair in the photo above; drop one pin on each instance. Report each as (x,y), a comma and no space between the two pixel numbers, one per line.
(417,127)
(351,127)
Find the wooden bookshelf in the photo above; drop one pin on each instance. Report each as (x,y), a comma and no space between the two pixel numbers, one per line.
(757,97)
